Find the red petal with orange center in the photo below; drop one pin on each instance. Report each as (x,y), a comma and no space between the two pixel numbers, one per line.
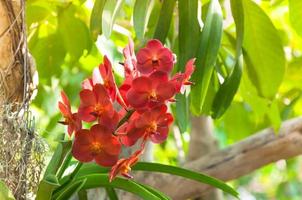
(137,99)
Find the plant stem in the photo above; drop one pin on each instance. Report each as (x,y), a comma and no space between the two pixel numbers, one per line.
(125,118)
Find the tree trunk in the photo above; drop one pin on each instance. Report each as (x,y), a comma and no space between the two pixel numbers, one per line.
(11,52)
(16,133)
(203,142)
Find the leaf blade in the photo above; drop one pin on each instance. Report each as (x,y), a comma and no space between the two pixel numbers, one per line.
(260,37)
(295,15)
(110,12)
(230,86)
(164,21)
(96,18)
(207,53)
(156,167)
(140,17)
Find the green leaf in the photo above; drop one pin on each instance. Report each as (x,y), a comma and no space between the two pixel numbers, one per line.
(58,157)
(155,167)
(206,57)
(264,52)
(36,13)
(164,21)
(74,33)
(5,193)
(295,15)
(274,115)
(91,168)
(159,194)
(188,45)
(182,112)
(46,187)
(140,17)
(82,194)
(110,12)
(101,180)
(230,86)
(49,55)
(111,193)
(189,31)
(71,189)
(96,18)
(64,165)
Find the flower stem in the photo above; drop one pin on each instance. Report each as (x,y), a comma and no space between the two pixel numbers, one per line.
(125,118)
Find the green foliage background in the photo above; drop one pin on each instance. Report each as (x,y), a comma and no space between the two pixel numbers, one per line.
(68,38)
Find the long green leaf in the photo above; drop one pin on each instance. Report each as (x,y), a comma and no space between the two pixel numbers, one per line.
(206,57)
(264,50)
(111,193)
(182,112)
(189,31)
(140,18)
(189,34)
(295,15)
(230,86)
(164,21)
(101,180)
(58,157)
(155,167)
(46,187)
(71,189)
(96,18)
(110,12)
(159,194)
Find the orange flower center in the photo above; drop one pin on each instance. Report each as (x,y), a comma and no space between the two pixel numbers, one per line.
(99,109)
(96,148)
(152,127)
(152,94)
(155,62)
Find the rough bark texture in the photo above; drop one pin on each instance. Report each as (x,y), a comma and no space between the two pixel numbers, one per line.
(20,168)
(203,142)
(246,156)
(11,56)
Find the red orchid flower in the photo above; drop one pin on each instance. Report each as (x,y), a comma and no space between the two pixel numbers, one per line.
(123,166)
(130,60)
(97,144)
(154,57)
(181,79)
(150,91)
(71,119)
(87,84)
(106,72)
(152,124)
(102,75)
(95,104)
(110,122)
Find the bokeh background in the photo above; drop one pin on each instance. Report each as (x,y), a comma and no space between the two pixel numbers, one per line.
(66,47)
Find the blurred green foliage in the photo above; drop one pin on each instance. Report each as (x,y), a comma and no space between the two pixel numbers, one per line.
(68,38)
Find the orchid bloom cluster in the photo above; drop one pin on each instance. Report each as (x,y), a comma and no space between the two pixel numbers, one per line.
(122,116)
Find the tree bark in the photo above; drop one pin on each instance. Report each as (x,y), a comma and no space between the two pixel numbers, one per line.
(11,55)
(16,133)
(235,161)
